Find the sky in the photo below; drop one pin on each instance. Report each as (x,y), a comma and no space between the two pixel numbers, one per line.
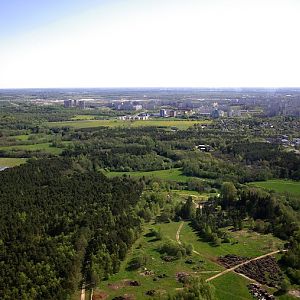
(149,43)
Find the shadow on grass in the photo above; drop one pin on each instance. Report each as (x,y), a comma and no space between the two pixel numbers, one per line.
(153,240)
(149,234)
(201,238)
(279,293)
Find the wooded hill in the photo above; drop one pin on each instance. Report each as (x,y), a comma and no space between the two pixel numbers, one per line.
(56,222)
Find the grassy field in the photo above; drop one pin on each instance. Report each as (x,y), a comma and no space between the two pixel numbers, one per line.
(229,286)
(22,137)
(250,244)
(147,246)
(83,117)
(180,124)
(44,147)
(280,186)
(197,197)
(11,162)
(170,174)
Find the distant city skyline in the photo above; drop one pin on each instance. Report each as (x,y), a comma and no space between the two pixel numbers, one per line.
(131,43)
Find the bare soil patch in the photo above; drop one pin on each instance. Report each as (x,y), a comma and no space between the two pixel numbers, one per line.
(124,297)
(121,284)
(264,270)
(231,260)
(100,295)
(295,293)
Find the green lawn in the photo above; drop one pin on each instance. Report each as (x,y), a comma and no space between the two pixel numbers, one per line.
(250,244)
(197,197)
(170,174)
(44,147)
(231,286)
(83,117)
(11,162)
(22,137)
(287,297)
(180,124)
(227,287)
(147,245)
(280,186)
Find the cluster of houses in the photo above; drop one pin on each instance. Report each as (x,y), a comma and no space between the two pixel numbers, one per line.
(142,116)
(284,140)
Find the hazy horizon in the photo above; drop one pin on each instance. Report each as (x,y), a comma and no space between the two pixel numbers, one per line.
(156,88)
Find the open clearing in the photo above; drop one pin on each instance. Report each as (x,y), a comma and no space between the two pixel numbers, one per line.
(229,286)
(83,117)
(280,186)
(43,147)
(180,124)
(22,137)
(243,243)
(11,162)
(197,197)
(170,174)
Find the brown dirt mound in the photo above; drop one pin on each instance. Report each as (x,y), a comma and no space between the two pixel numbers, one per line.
(231,260)
(99,295)
(124,297)
(264,270)
(121,284)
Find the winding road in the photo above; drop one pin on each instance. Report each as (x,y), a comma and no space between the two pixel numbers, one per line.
(230,269)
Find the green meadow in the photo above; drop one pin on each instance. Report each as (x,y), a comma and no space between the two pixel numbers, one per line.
(83,117)
(11,162)
(280,186)
(43,147)
(227,287)
(83,123)
(22,137)
(243,243)
(170,174)
(147,246)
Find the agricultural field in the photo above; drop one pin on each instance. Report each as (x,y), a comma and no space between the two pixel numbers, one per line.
(170,174)
(280,186)
(43,147)
(83,117)
(230,286)
(180,124)
(11,162)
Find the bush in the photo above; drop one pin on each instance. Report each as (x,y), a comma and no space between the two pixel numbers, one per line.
(138,262)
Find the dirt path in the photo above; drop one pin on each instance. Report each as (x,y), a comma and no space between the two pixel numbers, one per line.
(82,295)
(178,233)
(194,251)
(230,269)
(241,264)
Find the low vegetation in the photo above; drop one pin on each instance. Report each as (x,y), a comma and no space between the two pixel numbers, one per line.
(11,162)
(280,186)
